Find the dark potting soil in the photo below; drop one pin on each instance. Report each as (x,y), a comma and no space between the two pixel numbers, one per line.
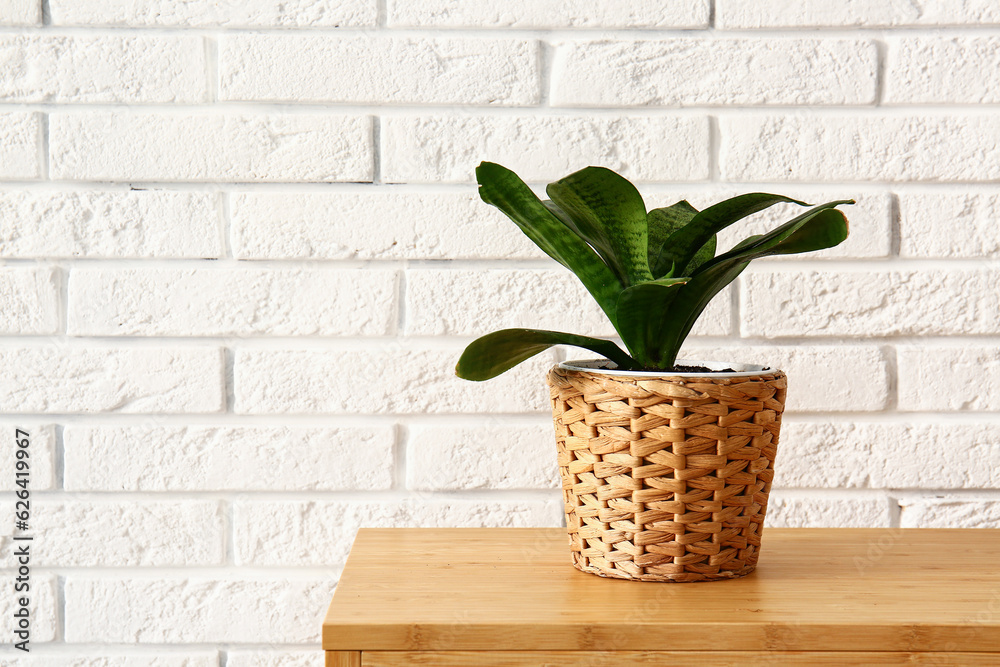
(680,368)
(700,369)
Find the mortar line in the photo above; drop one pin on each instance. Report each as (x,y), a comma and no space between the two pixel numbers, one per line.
(60,459)
(402,279)
(62,271)
(881,52)
(228,533)
(229,379)
(892,373)
(402,435)
(43,147)
(714,149)
(376,150)
(895,511)
(224,209)
(863,265)
(211,46)
(707,31)
(895,225)
(61,609)
(460,110)
(545,50)
(735,308)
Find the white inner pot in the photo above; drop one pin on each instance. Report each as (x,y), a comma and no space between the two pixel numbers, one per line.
(607,367)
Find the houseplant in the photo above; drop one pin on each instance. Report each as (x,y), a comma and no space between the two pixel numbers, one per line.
(666,467)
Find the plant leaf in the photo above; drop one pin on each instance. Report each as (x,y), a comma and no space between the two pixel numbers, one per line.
(821,227)
(681,246)
(688,305)
(494,353)
(705,254)
(500,187)
(608,212)
(641,309)
(663,222)
(806,233)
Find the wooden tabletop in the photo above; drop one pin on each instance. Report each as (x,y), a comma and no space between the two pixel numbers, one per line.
(881,589)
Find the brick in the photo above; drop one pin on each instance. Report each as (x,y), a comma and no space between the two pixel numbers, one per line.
(828,378)
(544,148)
(550,14)
(59,378)
(493,454)
(947,70)
(20,12)
(860,147)
(888,455)
(41,454)
(969,220)
(228,458)
(683,72)
(482,301)
(373,225)
(405,70)
(288,533)
(949,512)
(30,300)
(231,302)
(84,69)
(486,300)
(937,378)
(870,223)
(129,533)
(286,609)
(419,225)
(20,139)
(91,657)
(186,146)
(272,658)
(734,14)
(788,509)
(59,223)
(392,379)
(210,13)
(824,302)
(42,606)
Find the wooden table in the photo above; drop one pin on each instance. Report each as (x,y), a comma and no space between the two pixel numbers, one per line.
(509,596)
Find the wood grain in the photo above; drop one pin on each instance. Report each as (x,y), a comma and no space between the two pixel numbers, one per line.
(343,659)
(814,589)
(675,659)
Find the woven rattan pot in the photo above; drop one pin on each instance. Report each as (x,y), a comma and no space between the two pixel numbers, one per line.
(666,477)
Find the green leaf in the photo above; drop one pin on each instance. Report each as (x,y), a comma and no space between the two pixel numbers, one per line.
(705,254)
(747,242)
(681,246)
(662,223)
(608,212)
(813,230)
(819,228)
(500,187)
(641,311)
(500,351)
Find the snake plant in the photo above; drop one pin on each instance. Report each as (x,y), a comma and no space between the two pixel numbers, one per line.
(652,272)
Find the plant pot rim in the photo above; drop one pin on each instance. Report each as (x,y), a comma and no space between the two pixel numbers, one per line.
(606,367)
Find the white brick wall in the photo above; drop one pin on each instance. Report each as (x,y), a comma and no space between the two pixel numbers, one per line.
(212,147)
(713,72)
(132,69)
(242,249)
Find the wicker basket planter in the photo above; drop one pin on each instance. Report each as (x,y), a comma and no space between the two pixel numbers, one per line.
(666,477)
